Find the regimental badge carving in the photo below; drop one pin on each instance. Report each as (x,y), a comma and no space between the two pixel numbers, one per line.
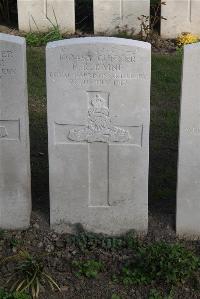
(100,128)
(3,132)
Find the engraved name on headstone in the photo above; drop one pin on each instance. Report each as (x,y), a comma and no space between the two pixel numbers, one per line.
(98,117)
(15,198)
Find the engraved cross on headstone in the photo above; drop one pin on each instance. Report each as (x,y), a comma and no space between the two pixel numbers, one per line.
(100,133)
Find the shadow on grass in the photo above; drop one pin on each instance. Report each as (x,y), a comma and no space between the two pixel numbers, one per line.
(165,107)
(165,95)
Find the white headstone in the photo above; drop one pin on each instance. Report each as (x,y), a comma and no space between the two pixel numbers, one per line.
(188,193)
(98,118)
(41,15)
(110,14)
(15,196)
(182,16)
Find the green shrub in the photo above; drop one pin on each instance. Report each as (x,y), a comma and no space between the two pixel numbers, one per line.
(89,269)
(16,295)
(160,262)
(15,242)
(155,294)
(35,39)
(53,35)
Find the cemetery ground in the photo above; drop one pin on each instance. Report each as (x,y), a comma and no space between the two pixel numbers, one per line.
(94,266)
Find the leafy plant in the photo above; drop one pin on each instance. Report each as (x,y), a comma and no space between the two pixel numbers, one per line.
(160,262)
(15,242)
(53,35)
(35,39)
(89,269)
(29,275)
(14,295)
(155,294)
(186,38)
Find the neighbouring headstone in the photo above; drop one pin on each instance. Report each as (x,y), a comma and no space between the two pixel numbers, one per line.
(98,119)
(181,16)
(110,15)
(188,193)
(41,15)
(15,195)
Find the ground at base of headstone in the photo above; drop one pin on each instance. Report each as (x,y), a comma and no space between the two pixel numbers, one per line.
(92,266)
(159,44)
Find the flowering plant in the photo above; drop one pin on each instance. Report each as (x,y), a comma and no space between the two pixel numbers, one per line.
(186,38)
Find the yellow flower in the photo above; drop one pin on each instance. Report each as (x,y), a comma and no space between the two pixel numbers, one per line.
(186,38)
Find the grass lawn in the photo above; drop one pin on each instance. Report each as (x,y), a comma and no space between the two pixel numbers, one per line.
(38,128)
(165,107)
(165,98)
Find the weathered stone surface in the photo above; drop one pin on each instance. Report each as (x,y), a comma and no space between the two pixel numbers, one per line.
(182,16)
(15,196)
(188,193)
(38,15)
(110,14)
(98,119)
